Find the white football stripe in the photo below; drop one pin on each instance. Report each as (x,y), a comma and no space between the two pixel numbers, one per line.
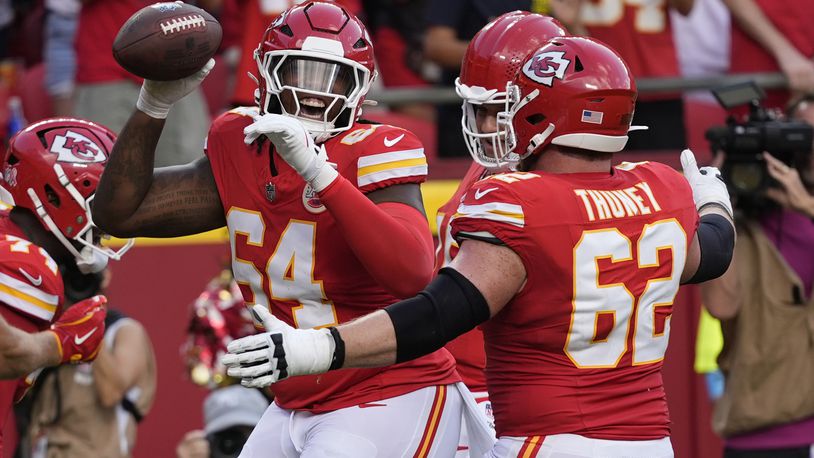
(493,211)
(392,156)
(29,289)
(25,306)
(388,174)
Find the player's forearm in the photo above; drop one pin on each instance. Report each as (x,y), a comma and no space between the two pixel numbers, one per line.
(128,174)
(370,341)
(752,20)
(21,353)
(392,240)
(133,199)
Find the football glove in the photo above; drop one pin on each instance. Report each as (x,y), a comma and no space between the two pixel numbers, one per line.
(278,353)
(25,384)
(294,144)
(79,331)
(707,185)
(157,97)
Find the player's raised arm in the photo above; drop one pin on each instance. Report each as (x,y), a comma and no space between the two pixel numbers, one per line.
(133,199)
(711,250)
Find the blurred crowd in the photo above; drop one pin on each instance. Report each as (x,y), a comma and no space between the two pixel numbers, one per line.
(55,58)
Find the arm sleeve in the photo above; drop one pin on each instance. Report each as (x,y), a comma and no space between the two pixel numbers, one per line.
(391,239)
(716,236)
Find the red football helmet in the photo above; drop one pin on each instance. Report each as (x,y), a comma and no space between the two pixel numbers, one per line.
(492,59)
(573,91)
(52,168)
(316,64)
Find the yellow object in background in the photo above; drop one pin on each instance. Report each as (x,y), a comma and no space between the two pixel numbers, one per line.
(708,343)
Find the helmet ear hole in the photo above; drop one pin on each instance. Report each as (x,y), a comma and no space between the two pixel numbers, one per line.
(12,159)
(52,196)
(578,65)
(535,119)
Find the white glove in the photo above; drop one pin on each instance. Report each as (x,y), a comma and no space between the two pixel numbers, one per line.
(707,185)
(294,144)
(278,353)
(157,97)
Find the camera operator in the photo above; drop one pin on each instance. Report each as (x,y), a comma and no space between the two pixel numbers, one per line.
(765,305)
(94,409)
(230,414)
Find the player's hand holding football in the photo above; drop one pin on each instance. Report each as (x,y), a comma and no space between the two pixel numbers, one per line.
(79,331)
(278,353)
(294,144)
(707,185)
(157,97)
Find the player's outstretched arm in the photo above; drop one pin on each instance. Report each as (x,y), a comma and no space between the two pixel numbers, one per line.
(132,198)
(478,283)
(74,338)
(21,353)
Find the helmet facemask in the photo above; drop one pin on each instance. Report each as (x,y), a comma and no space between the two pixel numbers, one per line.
(488,149)
(505,128)
(92,257)
(305,83)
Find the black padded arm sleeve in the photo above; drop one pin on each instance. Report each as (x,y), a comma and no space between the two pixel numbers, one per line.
(716,237)
(448,307)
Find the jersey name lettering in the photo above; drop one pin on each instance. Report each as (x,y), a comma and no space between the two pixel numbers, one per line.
(618,203)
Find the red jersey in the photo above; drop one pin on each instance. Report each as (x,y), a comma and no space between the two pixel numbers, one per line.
(793,18)
(579,349)
(288,254)
(467,349)
(31,293)
(99,22)
(639,31)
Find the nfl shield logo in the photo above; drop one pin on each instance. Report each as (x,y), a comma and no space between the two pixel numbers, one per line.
(271,192)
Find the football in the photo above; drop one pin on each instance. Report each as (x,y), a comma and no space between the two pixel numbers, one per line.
(167,41)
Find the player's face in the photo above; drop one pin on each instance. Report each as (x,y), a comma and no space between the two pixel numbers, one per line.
(486,122)
(315,82)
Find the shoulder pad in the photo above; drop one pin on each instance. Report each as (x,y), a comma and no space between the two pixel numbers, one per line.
(29,278)
(385,155)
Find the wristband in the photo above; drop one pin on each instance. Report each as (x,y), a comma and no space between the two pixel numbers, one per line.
(339,350)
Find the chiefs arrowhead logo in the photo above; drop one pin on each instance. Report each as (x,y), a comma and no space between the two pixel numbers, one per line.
(75,147)
(545,66)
